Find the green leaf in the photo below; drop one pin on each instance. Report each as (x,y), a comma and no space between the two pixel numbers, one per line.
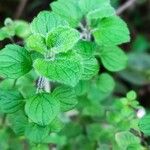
(10,101)
(101,87)
(56,139)
(22,28)
(56,125)
(37,42)
(105,83)
(131,95)
(46,22)
(65,68)
(7,84)
(18,122)
(124,139)
(42,108)
(81,88)
(94,17)
(91,68)
(111,31)
(66,96)
(85,48)
(91,5)
(68,10)
(62,39)
(113,58)
(36,133)
(6,32)
(93,131)
(93,110)
(144,124)
(90,64)
(15,61)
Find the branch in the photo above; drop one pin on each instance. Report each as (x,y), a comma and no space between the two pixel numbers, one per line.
(125,6)
(20,8)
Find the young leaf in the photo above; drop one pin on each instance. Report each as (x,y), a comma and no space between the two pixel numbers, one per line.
(125,139)
(68,10)
(37,42)
(36,133)
(18,122)
(62,39)
(22,29)
(42,108)
(66,96)
(131,95)
(144,124)
(15,61)
(66,68)
(10,101)
(111,31)
(113,58)
(46,22)
(6,32)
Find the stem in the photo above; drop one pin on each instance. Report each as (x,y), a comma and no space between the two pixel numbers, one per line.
(86,33)
(40,84)
(3,120)
(12,40)
(47,86)
(44,83)
(14,84)
(125,6)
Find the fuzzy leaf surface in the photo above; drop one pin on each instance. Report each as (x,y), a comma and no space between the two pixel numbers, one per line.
(42,108)
(15,61)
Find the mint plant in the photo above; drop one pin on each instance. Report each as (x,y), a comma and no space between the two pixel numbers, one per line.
(57,68)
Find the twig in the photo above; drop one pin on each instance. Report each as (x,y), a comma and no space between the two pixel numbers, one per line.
(47,86)
(125,6)
(40,84)
(20,8)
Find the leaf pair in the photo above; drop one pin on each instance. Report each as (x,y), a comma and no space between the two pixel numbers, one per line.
(106,27)
(73,11)
(60,39)
(69,68)
(12,28)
